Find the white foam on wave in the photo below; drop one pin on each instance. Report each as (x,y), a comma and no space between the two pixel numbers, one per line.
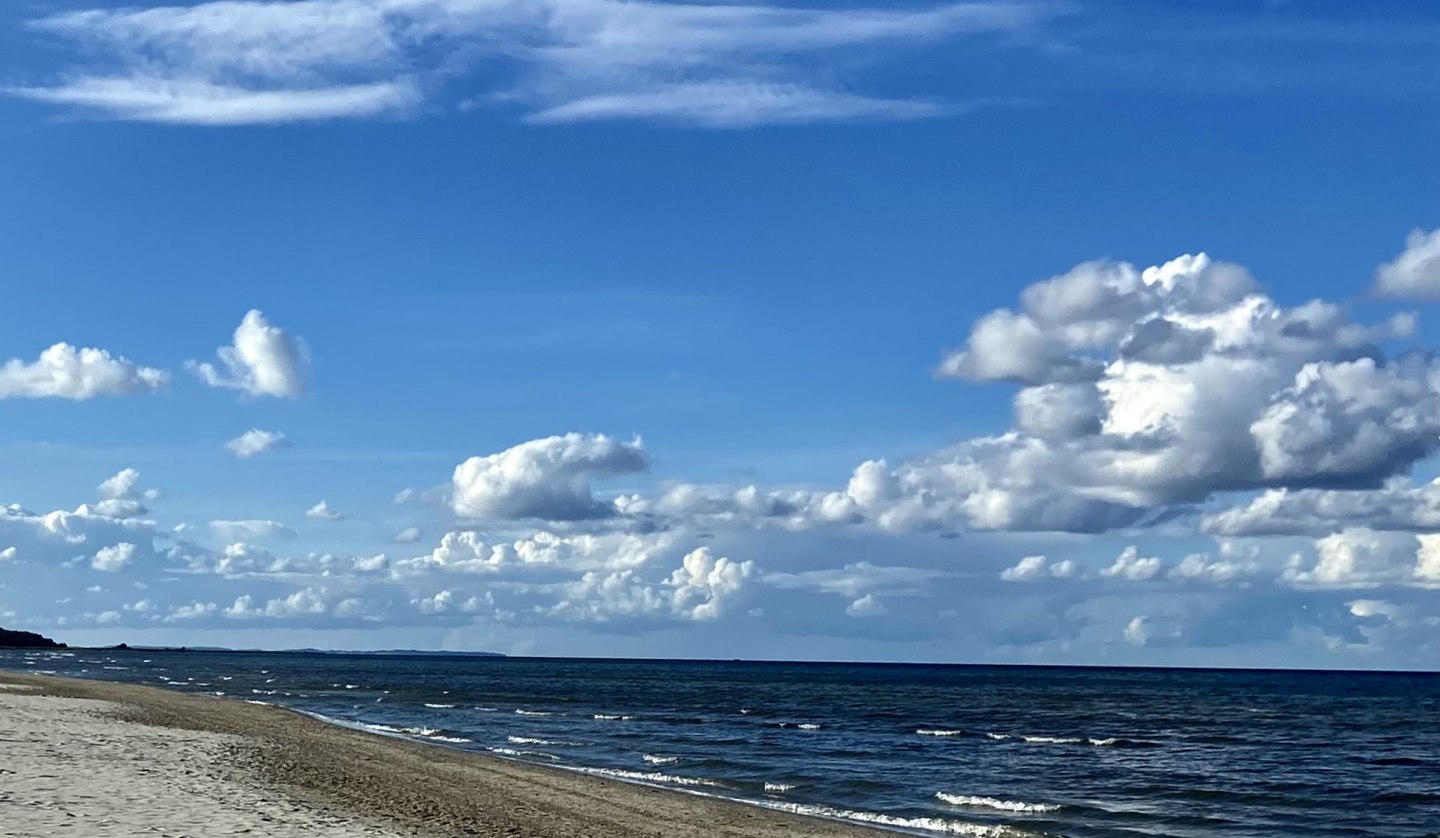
(779,788)
(1104,743)
(928,732)
(995,803)
(440,706)
(937,825)
(544,743)
(656,759)
(650,777)
(1053,740)
(520,712)
(382,728)
(998,736)
(611,717)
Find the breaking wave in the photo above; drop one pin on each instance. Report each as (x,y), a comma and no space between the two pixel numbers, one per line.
(995,803)
(937,825)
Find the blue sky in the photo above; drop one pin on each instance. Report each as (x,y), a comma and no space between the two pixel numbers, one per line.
(737,251)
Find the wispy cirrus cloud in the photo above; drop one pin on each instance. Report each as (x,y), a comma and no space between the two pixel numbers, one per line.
(705,64)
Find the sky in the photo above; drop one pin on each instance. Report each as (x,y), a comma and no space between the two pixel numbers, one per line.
(1091,332)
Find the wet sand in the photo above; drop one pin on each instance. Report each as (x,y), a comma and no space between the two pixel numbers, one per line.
(92,758)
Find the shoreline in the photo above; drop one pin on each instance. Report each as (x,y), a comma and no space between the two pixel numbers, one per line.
(392,783)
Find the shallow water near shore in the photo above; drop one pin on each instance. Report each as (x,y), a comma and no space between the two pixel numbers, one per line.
(985,751)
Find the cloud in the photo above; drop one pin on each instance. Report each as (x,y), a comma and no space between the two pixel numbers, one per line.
(1144,388)
(704,64)
(65,372)
(409,535)
(1137,631)
(52,538)
(306,602)
(122,485)
(189,102)
(114,557)
(732,104)
(323,512)
(469,551)
(700,589)
(1358,557)
(1132,566)
(867,606)
(1414,274)
(1035,568)
(264,360)
(854,581)
(545,478)
(249,530)
(194,611)
(256,441)
(1394,506)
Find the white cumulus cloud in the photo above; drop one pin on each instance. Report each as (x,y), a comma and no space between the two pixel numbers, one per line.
(65,372)
(544,478)
(1414,274)
(324,512)
(264,360)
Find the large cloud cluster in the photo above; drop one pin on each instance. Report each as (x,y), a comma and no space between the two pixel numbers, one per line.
(546,478)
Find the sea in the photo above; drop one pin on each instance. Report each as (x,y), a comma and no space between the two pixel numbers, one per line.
(917,749)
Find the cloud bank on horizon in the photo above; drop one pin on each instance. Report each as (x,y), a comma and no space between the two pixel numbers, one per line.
(1265,455)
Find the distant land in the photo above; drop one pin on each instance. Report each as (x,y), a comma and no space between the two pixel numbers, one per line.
(125,647)
(26,640)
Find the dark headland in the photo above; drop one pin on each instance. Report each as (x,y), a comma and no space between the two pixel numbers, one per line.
(26,640)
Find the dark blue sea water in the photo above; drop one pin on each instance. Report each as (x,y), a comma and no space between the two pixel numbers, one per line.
(984,751)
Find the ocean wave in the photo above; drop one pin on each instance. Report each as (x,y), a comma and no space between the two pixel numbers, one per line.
(1094,741)
(611,717)
(520,712)
(440,706)
(929,732)
(937,825)
(651,777)
(655,759)
(995,803)
(779,788)
(799,725)
(544,743)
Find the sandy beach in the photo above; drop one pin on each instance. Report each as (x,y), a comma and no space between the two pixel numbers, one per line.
(91,758)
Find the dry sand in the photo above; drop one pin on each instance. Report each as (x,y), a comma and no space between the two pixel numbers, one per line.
(89,758)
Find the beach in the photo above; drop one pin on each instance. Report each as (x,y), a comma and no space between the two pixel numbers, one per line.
(92,758)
